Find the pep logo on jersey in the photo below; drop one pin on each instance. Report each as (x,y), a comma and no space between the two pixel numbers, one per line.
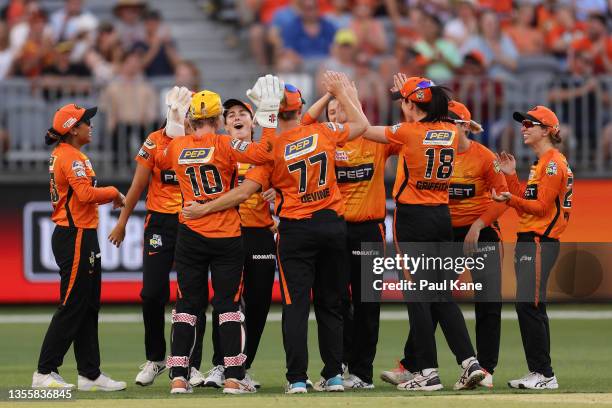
(196,155)
(300,147)
(439,137)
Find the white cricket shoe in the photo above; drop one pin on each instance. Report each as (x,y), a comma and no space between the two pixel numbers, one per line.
(215,377)
(535,381)
(51,380)
(354,382)
(180,385)
(235,386)
(425,380)
(149,371)
(102,383)
(250,378)
(196,378)
(487,381)
(471,376)
(396,376)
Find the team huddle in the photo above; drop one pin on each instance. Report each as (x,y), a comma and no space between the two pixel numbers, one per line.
(208,211)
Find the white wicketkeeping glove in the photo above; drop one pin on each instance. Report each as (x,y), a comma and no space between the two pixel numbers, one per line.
(178,101)
(272,92)
(254,94)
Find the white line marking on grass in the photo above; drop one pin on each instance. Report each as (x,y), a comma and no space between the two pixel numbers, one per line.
(396,315)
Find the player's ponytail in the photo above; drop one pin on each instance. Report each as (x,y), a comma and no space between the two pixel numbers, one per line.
(52,137)
(555,136)
(436,110)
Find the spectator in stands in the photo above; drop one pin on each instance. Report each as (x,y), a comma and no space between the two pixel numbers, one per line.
(371,37)
(36,51)
(159,51)
(342,59)
(528,40)
(130,104)
(21,29)
(188,75)
(340,14)
(498,50)
(373,94)
(63,77)
(104,58)
(263,39)
(307,38)
(129,25)
(464,25)
(15,11)
(405,60)
(442,56)
(6,54)
(408,28)
(65,23)
(597,44)
(563,31)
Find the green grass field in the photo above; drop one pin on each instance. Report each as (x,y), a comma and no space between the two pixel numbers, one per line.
(581,353)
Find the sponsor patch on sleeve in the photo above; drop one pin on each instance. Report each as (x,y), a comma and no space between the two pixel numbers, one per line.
(551,168)
(239,145)
(300,147)
(51,162)
(78,168)
(149,144)
(196,155)
(496,166)
(439,137)
(395,127)
(144,154)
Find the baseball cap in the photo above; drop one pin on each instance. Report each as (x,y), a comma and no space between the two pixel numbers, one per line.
(539,114)
(205,104)
(69,115)
(415,89)
(292,100)
(236,102)
(345,36)
(458,112)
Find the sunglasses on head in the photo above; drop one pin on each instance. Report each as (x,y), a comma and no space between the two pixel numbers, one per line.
(528,124)
(422,85)
(291,88)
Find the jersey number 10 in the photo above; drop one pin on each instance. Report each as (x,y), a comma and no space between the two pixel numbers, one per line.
(205,171)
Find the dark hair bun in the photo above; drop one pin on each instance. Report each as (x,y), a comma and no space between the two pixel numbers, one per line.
(52,136)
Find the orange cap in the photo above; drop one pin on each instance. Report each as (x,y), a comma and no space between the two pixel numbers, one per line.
(417,89)
(292,100)
(540,114)
(459,112)
(69,115)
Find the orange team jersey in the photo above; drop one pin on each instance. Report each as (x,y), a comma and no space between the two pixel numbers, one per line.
(475,173)
(302,170)
(74,194)
(255,211)
(547,199)
(425,163)
(206,168)
(163,194)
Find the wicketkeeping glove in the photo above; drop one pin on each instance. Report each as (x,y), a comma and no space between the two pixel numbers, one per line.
(178,101)
(254,94)
(272,92)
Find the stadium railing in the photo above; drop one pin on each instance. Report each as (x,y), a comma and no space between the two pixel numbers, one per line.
(26,111)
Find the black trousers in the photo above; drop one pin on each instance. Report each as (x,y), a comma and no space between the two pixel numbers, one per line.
(77,253)
(311,258)
(361,319)
(258,280)
(534,259)
(195,254)
(429,224)
(157,261)
(488,310)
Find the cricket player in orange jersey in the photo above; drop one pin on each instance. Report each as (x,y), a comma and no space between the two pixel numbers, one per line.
(257,227)
(163,204)
(75,198)
(429,142)
(311,232)
(544,207)
(206,167)
(474,217)
(360,171)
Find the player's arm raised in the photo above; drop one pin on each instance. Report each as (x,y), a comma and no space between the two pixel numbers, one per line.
(316,109)
(339,86)
(230,199)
